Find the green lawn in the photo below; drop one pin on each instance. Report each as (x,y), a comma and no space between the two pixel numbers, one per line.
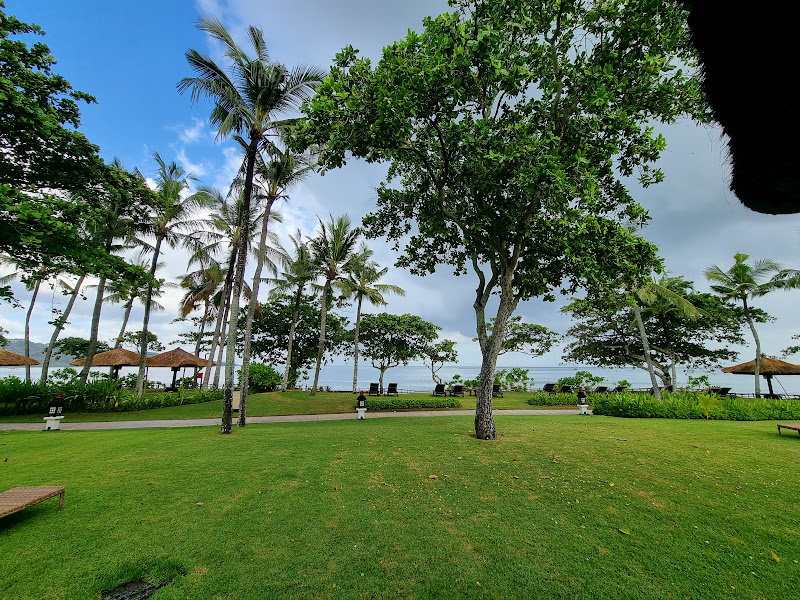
(274,403)
(557,507)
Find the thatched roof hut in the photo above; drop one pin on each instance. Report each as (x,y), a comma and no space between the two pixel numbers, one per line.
(118,357)
(769,367)
(176,358)
(12,359)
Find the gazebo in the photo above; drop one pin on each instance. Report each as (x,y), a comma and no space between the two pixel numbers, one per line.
(176,359)
(12,359)
(769,368)
(117,358)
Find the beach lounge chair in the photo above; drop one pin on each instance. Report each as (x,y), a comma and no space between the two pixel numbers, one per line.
(566,389)
(720,391)
(600,389)
(392,390)
(439,390)
(20,498)
(619,388)
(374,390)
(549,388)
(496,391)
(457,390)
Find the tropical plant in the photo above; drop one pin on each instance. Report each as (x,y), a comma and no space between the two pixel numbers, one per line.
(437,354)
(363,283)
(246,99)
(59,323)
(743,281)
(171,218)
(335,257)
(299,272)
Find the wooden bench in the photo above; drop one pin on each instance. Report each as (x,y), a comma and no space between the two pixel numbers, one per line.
(795,426)
(20,498)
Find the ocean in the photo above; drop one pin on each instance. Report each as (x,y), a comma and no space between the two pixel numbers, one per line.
(418,378)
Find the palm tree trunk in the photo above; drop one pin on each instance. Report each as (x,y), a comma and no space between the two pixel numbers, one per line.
(238,280)
(28,328)
(321,350)
(355,348)
(222,314)
(59,325)
(251,311)
(200,338)
(646,345)
(147,302)
(295,313)
(128,307)
(98,306)
(757,369)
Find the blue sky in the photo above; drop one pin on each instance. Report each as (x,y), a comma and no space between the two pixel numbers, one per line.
(130,55)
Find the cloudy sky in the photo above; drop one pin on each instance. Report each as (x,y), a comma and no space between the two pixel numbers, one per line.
(130,55)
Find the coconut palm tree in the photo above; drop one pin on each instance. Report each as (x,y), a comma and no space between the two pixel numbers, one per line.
(74,291)
(127,293)
(743,281)
(247,97)
(276,176)
(171,218)
(299,272)
(362,284)
(658,293)
(335,256)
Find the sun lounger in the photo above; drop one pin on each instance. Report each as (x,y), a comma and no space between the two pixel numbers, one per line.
(549,388)
(374,390)
(457,390)
(439,390)
(496,391)
(20,498)
(795,426)
(600,389)
(392,390)
(565,389)
(619,388)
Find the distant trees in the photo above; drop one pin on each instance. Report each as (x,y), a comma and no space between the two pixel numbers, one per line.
(437,354)
(391,340)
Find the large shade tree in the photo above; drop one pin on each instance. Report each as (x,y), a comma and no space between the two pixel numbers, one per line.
(509,127)
(248,94)
(744,281)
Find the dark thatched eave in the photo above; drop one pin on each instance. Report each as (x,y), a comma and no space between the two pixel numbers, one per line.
(12,359)
(118,357)
(749,59)
(176,358)
(769,366)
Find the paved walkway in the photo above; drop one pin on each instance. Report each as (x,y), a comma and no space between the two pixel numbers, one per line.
(278,419)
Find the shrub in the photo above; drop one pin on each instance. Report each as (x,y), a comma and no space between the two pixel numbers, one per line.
(547,399)
(694,405)
(581,378)
(263,378)
(399,402)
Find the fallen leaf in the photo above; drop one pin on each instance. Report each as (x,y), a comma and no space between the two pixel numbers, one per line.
(775,557)
(433,477)
(336,488)
(478,583)
(515,477)
(611,484)
(544,476)
(200,504)
(625,531)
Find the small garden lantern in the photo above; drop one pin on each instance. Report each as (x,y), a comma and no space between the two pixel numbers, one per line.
(55,412)
(583,406)
(361,406)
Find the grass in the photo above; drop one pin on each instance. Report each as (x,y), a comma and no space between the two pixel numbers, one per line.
(557,507)
(273,403)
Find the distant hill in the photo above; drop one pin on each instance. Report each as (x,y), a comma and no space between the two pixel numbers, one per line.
(17,345)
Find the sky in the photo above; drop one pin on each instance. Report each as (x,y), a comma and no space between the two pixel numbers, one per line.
(130,56)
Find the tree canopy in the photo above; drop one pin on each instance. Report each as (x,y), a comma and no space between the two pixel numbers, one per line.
(509,127)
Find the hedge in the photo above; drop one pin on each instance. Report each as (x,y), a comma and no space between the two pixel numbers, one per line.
(398,402)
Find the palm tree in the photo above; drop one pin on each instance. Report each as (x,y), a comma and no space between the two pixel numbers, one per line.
(60,322)
(658,292)
(363,283)
(278,175)
(203,286)
(334,254)
(743,281)
(172,216)
(299,271)
(128,293)
(247,97)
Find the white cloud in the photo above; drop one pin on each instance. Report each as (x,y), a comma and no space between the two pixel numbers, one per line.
(190,135)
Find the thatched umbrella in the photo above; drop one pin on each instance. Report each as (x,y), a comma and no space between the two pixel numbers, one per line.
(11,359)
(175,359)
(769,368)
(117,358)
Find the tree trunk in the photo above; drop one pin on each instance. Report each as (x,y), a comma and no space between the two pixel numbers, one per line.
(321,350)
(98,307)
(28,328)
(380,379)
(59,326)
(646,345)
(238,280)
(147,302)
(757,369)
(355,348)
(222,315)
(128,307)
(251,311)
(295,313)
